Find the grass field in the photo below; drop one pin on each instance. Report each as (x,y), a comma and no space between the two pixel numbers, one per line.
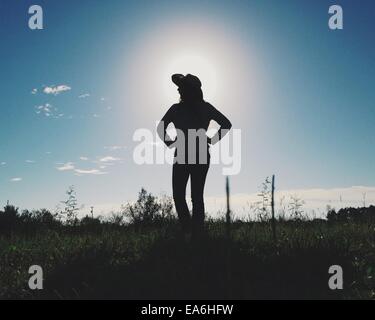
(154,262)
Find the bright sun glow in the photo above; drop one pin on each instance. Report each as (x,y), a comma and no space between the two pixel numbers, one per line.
(221,62)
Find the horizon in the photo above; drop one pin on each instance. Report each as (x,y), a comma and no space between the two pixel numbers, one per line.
(315,203)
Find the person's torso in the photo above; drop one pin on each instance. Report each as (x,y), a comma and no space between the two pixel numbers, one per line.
(191,122)
(192,116)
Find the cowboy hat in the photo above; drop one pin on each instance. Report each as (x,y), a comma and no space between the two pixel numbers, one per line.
(186,81)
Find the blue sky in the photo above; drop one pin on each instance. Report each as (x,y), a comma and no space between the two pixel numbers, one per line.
(304,99)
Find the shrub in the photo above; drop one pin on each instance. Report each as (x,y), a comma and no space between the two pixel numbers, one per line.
(149,209)
(9,219)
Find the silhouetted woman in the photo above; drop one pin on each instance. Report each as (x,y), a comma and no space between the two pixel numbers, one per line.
(191,118)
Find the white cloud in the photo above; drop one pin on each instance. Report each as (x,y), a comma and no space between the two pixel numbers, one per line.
(96,115)
(84,158)
(29,161)
(66,166)
(34,91)
(114,148)
(3,163)
(48,110)
(16,179)
(69,166)
(109,159)
(55,90)
(92,171)
(314,200)
(83,96)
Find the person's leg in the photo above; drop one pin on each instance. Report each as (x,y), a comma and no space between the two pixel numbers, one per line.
(198,179)
(180,176)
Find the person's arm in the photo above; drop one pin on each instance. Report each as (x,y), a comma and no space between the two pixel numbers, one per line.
(222,121)
(163,125)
